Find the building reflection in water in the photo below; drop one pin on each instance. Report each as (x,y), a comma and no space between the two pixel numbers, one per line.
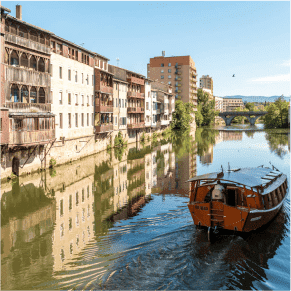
(46,228)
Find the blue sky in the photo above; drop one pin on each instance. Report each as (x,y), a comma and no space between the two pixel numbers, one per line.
(248,39)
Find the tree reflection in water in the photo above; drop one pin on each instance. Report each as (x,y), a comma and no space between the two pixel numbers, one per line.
(277,143)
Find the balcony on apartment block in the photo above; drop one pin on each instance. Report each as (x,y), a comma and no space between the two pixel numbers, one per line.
(104,107)
(106,89)
(132,94)
(135,109)
(136,125)
(104,128)
(135,80)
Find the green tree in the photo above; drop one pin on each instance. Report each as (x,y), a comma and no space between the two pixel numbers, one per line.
(250,106)
(277,116)
(182,116)
(206,109)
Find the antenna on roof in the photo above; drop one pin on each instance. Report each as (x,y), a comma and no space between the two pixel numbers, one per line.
(221,169)
(163,53)
(117,61)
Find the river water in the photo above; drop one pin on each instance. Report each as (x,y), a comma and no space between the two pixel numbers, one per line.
(119,220)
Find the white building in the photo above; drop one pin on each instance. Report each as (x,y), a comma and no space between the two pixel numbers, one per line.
(218,103)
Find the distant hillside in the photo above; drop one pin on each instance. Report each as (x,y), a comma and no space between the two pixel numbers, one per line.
(261,99)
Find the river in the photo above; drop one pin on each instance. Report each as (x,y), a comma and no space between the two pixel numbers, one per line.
(119,220)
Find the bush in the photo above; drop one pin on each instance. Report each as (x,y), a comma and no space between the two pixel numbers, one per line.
(118,141)
(52,163)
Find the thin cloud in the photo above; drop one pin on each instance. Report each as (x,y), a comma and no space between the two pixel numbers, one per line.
(286,63)
(273,79)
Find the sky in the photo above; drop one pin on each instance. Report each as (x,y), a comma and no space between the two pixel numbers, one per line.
(248,39)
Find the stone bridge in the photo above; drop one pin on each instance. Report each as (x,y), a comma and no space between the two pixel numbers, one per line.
(228,116)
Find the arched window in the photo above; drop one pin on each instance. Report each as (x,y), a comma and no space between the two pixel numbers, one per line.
(14,93)
(24,94)
(33,62)
(41,95)
(14,59)
(32,95)
(24,60)
(23,32)
(41,65)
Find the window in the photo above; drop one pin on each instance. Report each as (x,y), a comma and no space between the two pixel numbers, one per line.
(83,100)
(169,64)
(61,72)
(92,80)
(76,76)
(162,77)
(115,120)
(162,71)
(61,120)
(169,70)
(87,79)
(69,120)
(76,120)
(87,119)
(92,100)
(61,207)
(170,83)
(51,69)
(82,78)
(88,100)
(147,105)
(69,98)
(70,202)
(92,119)
(169,77)
(69,74)
(0,124)
(162,64)
(82,119)
(60,97)
(77,198)
(122,103)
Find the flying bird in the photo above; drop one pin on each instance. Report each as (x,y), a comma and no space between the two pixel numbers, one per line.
(233,75)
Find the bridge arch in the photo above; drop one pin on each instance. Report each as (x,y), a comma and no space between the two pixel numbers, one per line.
(229,116)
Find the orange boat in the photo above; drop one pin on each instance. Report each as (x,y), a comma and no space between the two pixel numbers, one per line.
(239,200)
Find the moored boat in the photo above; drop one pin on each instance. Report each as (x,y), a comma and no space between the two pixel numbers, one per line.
(239,200)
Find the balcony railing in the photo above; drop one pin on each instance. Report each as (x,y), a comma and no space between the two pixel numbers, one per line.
(28,107)
(27,76)
(135,109)
(103,108)
(104,128)
(106,89)
(136,125)
(31,137)
(27,43)
(135,80)
(135,94)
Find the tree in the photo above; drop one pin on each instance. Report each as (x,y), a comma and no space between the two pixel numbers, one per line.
(250,106)
(206,109)
(182,116)
(277,116)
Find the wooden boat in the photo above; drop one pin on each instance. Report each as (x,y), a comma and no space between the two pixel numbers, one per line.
(239,200)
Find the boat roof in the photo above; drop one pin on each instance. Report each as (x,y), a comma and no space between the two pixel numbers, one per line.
(252,177)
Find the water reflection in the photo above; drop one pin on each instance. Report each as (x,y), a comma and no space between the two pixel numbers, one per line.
(119,219)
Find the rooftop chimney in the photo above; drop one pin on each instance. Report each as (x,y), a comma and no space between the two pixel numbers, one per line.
(19,12)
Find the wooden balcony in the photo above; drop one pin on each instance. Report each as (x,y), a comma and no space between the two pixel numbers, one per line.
(31,137)
(27,43)
(135,109)
(104,128)
(135,80)
(136,125)
(131,94)
(27,76)
(28,107)
(106,89)
(104,108)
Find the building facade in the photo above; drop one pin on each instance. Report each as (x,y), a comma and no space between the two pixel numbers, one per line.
(177,71)
(230,104)
(206,82)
